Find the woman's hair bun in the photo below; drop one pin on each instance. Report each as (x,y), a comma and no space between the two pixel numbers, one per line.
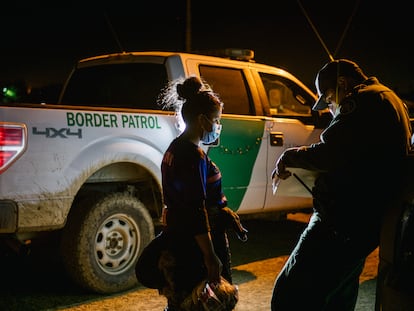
(189,88)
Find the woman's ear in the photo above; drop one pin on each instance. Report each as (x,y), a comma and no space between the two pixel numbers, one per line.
(201,120)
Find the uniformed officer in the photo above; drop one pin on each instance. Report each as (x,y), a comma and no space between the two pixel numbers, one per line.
(359,163)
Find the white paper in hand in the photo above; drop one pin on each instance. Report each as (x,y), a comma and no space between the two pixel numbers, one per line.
(275,183)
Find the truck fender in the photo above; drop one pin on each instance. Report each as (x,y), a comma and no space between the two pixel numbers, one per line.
(100,154)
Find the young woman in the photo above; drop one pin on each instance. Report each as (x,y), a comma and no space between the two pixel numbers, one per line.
(186,172)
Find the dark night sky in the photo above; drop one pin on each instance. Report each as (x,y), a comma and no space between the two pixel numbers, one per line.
(41,45)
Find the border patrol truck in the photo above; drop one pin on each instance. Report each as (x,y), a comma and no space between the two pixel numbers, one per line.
(87,168)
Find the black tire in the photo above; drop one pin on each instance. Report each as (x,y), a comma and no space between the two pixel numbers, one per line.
(102,241)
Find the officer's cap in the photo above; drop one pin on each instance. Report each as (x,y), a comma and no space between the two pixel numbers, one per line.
(328,75)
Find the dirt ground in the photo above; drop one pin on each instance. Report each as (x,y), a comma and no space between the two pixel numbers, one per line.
(255,281)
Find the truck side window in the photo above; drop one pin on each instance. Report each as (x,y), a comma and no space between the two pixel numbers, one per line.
(231,86)
(133,85)
(283,97)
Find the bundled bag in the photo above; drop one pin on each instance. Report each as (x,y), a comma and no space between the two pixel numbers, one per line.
(146,269)
(212,297)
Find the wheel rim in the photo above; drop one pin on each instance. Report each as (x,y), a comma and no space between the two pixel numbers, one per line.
(116,244)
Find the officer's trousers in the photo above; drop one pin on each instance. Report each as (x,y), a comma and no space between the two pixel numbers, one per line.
(322,272)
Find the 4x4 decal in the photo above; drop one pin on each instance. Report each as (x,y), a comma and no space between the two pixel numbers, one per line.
(51,132)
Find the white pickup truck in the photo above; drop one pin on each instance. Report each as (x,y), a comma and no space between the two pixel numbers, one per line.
(88,167)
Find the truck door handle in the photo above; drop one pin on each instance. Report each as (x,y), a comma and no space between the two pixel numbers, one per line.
(276,139)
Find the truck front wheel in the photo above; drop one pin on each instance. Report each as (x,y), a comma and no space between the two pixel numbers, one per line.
(102,241)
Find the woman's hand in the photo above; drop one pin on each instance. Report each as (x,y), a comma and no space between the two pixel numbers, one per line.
(214,267)
(211,261)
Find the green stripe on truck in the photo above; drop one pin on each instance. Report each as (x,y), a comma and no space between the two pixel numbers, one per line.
(236,154)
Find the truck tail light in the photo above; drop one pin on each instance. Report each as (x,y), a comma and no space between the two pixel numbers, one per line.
(13,142)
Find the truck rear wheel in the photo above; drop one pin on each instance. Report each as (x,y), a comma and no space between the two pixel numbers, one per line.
(102,241)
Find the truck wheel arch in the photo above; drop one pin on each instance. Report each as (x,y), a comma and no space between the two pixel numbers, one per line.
(89,166)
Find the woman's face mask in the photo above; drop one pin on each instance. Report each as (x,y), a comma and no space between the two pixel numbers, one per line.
(210,137)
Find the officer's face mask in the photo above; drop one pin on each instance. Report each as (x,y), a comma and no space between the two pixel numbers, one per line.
(211,136)
(332,99)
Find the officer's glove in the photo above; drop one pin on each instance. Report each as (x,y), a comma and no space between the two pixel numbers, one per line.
(232,220)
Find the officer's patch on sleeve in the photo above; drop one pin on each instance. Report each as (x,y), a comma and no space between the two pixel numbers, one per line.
(347,106)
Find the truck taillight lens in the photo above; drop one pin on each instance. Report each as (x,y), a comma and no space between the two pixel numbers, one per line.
(13,140)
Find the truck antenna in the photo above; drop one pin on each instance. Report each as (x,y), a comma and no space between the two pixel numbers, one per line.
(315,31)
(188,27)
(331,57)
(347,27)
(114,34)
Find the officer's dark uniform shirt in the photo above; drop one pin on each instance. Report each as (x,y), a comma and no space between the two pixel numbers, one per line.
(184,178)
(359,157)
